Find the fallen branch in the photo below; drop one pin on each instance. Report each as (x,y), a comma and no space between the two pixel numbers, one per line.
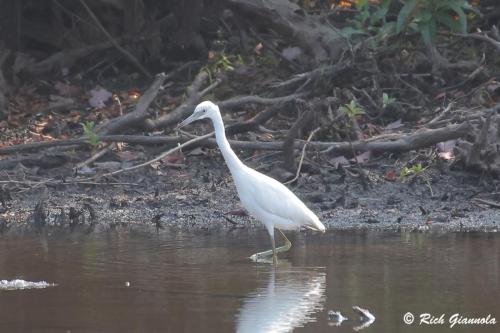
(420,139)
(402,143)
(241,100)
(140,113)
(253,122)
(52,182)
(194,93)
(135,139)
(45,161)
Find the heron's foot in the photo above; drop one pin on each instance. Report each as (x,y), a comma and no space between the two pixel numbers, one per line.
(265,255)
(262,256)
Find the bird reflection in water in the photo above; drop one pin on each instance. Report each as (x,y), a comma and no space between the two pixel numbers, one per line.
(290,299)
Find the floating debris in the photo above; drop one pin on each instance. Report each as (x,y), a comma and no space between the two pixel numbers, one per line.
(18,284)
(366,318)
(335,318)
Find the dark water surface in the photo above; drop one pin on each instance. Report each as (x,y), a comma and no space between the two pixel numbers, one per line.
(196,282)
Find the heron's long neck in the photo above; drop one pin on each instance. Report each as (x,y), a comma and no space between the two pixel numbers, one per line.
(232,161)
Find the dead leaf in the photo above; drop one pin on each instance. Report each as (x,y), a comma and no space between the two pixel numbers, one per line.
(196,152)
(174,158)
(364,157)
(291,53)
(128,156)
(391,175)
(339,160)
(258,48)
(394,125)
(98,97)
(445,149)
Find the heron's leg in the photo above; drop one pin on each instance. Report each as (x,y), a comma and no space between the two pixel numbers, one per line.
(265,254)
(275,250)
(275,253)
(287,245)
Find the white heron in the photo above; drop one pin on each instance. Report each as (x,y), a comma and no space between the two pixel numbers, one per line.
(266,199)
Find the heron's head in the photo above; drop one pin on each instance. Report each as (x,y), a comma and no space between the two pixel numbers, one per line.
(203,110)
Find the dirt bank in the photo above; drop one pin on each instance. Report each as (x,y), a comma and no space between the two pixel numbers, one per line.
(201,195)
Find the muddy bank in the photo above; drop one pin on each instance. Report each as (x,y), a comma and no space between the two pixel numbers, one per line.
(201,196)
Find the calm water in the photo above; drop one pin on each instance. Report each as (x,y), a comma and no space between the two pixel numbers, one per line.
(195,282)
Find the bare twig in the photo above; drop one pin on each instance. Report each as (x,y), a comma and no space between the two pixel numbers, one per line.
(474,157)
(297,174)
(173,150)
(486,202)
(293,133)
(315,74)
(483,36)
(96,156)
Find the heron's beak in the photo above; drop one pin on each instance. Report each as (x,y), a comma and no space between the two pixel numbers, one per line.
(186,121)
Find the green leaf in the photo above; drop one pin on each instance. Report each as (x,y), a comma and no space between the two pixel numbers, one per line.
(388,28)
(386,100)
(462,19)
(404,14)
(428,31)
(361,4)
(446,20)
(347,32)
(88,129)
(380,13)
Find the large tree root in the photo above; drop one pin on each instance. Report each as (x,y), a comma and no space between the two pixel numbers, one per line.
(319,39)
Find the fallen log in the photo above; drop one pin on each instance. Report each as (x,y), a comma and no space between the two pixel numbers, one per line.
(420,139)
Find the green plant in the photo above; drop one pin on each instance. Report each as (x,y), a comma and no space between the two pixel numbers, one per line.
(89,131)
(387,100)
(352,109)
(223,63)
(370,19)
(413,171)
(425,16)
(422,16)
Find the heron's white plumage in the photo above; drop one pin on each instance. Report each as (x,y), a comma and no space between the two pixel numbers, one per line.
(272,202)
(265,198)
